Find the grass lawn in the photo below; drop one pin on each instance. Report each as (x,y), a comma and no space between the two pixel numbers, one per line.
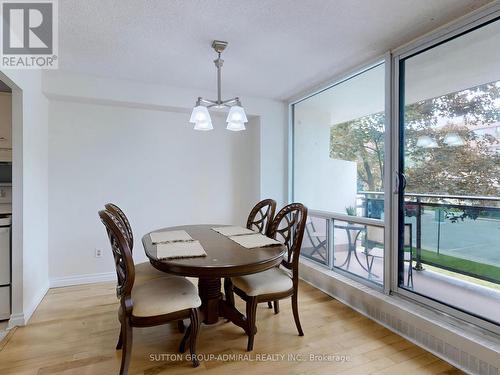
(468,267)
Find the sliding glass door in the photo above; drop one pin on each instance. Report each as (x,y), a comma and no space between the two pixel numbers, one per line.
(449,180)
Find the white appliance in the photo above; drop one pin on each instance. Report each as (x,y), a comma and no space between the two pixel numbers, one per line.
(5,267)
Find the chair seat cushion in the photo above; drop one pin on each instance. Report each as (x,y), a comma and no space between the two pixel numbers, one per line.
(274,280)
(164,295)
(145,272)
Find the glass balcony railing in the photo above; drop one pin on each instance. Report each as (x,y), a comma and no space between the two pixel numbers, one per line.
(352,244)
(450,232)
(455,235)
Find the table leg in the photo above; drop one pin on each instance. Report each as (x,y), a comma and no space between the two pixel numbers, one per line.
(210,295)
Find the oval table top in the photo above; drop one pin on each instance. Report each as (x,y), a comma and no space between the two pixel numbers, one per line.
(225,258)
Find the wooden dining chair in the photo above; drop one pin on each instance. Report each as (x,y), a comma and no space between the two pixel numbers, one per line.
(155,302)
(143,271)
(279,282)
(259,219)
(261,216)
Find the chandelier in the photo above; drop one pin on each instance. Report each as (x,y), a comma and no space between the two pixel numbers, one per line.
(200,116)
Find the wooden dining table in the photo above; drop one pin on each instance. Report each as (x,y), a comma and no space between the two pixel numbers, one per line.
(225,258)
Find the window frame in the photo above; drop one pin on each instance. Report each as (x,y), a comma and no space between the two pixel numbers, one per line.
(486,14)
(339,79)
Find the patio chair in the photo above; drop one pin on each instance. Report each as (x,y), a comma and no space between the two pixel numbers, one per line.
(318,240)
(374,249)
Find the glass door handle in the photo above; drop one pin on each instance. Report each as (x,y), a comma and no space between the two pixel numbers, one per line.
(399,182)
(402,182)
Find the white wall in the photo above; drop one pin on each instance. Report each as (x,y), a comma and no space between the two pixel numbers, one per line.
(30,193)
(321,183)
(132,144)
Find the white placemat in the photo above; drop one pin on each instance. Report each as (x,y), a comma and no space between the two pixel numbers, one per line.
(170,236)
(233,231)
(251,241)
(177,250)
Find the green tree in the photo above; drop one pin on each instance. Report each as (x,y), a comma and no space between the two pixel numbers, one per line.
(468,169)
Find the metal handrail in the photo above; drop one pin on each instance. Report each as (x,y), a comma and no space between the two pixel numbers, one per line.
(348,218)
(468,197)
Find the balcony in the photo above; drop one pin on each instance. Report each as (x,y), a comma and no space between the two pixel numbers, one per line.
(451,248)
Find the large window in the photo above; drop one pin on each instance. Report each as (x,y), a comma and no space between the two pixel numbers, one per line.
(450,204)
(338,168)
(444,185)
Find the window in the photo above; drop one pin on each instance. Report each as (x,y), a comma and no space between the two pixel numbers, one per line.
(338,168)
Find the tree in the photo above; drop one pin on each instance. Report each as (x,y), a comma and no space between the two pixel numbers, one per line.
(468,169)
(362,140)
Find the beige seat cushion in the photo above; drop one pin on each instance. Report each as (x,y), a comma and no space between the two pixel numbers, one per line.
(145,272)
(164,295)
(274,280)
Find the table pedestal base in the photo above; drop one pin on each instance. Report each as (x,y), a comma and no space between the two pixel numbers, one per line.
(214,306)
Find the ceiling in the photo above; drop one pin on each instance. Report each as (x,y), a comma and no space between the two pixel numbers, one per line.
(277,48)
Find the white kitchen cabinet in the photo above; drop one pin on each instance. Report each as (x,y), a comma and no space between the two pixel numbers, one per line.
(4,255)
(4,302)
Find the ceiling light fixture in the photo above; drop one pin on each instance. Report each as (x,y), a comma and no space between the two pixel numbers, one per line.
(200,116)
(425,141)
(453,140)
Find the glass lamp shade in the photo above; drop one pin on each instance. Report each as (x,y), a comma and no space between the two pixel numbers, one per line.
(200,114)
(235,126)
(201,118)
(453,139)
(236,114)
(426,142)
(203,125)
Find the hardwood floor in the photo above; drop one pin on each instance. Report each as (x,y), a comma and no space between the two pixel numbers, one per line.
(74,331)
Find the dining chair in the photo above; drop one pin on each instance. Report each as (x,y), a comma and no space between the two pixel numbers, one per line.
(155,302)
(259,219)
(261,216)
(143,271)
(279,282)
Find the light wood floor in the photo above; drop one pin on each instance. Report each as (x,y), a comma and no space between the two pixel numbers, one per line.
(74,331)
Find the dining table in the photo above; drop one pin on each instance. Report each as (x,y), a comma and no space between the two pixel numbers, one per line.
(224,259)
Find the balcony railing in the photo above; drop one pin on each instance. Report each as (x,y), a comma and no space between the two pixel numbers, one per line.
(451,232)
(457,233)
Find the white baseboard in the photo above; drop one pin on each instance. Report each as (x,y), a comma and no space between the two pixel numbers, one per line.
(58,282)
(21,319)
(34,304)
(16,320)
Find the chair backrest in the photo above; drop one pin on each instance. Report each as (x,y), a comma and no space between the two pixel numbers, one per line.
(261,216)
(122,255)
(407,239)
(288,228)
(117,211)
(375,234)
(310,231)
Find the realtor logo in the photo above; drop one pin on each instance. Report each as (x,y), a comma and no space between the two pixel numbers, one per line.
(29,34)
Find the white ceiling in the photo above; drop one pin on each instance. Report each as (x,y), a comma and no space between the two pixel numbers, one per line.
(276,47)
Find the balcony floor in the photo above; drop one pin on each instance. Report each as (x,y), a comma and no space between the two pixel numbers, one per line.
(454,291)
